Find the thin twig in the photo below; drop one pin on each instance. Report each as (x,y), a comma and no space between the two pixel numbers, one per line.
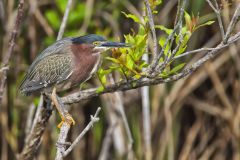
(37,114)
(199,50)
(218,14)
(120,108)
(61,142)
(3,69)
(64,21)
(112,106)
(146,122)
(189,142)
(94,119)
(125,122)
(31,111)
(12,42)
(178,22)
(232,24)
(171,54)
(106,143)
(87,17)
(220,22)
(152,27)
(47,28)
(34,9)
(169,41)
(146,115)
(33,139)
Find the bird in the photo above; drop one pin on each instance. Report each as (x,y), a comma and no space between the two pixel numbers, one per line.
(65,64)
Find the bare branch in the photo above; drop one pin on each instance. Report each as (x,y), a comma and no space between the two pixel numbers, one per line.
(120,109)
(31,112)
(200,50)
(106,143)
(64,21)
(87,17)
(3,69)
(33,139)
(94,119)
(232,24)
(12,42)
(218,14)
(125,122)
(155,63)
(152,27)
(112,112)
(146,122)
(146,115)
(61,142)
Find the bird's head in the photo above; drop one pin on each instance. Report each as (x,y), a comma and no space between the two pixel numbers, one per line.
(98,43)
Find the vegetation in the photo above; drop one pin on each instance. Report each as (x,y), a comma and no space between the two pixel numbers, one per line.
(164,109)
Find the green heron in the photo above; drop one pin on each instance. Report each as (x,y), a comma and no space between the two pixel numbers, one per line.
(65,64)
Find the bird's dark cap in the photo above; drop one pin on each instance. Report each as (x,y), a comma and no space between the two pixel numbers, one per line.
(88,39)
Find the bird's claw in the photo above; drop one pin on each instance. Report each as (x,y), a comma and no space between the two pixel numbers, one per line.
(68,119)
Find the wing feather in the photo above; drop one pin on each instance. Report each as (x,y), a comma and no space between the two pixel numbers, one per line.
(52,69)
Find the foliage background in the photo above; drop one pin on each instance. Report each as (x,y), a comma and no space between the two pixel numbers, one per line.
(193,118)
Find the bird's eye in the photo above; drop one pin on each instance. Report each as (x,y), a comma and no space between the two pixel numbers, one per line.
(96,43)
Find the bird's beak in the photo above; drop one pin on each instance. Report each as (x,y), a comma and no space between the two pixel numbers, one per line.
(114,45)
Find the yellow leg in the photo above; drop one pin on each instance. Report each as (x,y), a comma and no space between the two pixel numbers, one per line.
(65,116)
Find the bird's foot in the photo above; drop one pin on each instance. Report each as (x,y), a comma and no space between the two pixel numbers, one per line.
(65,116)
(68,119)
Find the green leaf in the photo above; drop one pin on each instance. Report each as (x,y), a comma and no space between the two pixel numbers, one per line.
(77,15)
(163,28)
(102,75)
(161,42)
(104,71)
(187,18)
(133,17)
(129,63)
(142,30)
(143,64)
(141,39)
(61,5)
(163,75)
(129,39)
(113,60)
(53,18)
(205,24)
(154,3)
(183,46)
(103,79)
(100,89)
(177,68)
(134,84)
(137,76)
(114,67)
(181,50)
